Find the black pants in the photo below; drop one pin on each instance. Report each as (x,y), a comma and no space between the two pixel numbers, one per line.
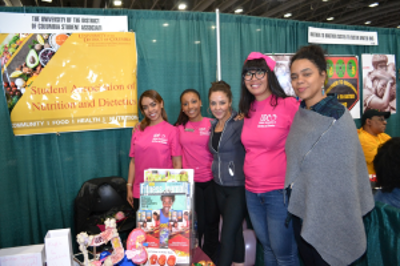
(232,205)
(308,253)
(207,217)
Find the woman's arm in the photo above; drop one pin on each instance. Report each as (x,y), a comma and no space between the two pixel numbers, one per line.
(177,162)
(131,181)
(381,103)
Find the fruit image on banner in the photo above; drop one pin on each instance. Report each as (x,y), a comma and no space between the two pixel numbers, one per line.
(343,81)
(70,82)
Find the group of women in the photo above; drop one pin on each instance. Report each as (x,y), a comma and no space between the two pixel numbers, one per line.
(296,167)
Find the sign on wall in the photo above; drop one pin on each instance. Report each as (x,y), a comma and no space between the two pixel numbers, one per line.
(379,82)
(55,23)
(65,82)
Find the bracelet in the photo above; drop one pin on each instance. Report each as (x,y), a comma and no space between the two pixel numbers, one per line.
(129,184)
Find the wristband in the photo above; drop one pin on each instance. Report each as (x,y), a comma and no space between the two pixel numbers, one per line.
(129,184)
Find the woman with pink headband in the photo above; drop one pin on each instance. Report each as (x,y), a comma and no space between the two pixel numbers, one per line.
(268,114)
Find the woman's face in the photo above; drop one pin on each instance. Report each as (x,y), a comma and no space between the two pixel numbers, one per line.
(307,81)
(258,87)
(155,217)
(152,110)
(220,105)
(191,105)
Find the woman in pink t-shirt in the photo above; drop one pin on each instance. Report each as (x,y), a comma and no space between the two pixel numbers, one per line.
(194,133)
(269,113)
(154,144)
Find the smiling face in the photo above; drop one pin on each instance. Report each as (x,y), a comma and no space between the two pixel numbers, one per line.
(167,205)
(152,110)
(191,104)
(258,87)
(307,81)
(220,105)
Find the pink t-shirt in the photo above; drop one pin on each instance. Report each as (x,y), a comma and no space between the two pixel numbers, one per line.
(153,148)
(264,136)
(195,154)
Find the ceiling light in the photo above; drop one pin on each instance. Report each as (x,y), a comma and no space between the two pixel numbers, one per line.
(165,24)
(398,27)
(213,27)
(374,4)
(239,10)
(367,22)
(117,2)
(182,6)
(325,0)
(258,29)
(287,15)
(48,1)
(197,42)
(154,40)
(330,18)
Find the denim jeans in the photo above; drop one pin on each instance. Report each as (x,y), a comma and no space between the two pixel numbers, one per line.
(268,212)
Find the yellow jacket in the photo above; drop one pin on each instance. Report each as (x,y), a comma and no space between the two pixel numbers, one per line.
(370,145)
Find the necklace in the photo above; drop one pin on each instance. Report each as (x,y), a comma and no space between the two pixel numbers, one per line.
(193,126)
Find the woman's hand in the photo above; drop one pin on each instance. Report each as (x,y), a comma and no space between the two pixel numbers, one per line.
(239,116)
(129,197)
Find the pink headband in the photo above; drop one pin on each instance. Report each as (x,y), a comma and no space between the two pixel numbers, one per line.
(256,55)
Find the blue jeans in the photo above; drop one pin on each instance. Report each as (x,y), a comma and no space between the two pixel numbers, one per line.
(268,212)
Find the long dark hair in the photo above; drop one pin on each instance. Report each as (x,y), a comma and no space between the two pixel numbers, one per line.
(246,98)
(183,118)
(155,96)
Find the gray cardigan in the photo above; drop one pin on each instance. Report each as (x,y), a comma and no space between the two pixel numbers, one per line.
(227,166)
(331,190)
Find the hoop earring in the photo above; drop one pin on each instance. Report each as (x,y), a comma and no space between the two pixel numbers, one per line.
(323,90)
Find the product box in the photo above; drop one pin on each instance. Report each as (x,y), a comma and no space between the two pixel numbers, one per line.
(21,256)
(58,247)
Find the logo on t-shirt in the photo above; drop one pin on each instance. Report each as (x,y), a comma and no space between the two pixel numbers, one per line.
(160,138)
(203,131)
(267,120)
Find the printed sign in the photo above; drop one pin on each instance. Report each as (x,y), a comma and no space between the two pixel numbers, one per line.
(64,82)
(351,37)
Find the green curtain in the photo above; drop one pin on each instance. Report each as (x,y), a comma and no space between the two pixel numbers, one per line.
(41,175)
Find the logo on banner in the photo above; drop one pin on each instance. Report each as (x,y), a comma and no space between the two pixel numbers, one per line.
(267,120)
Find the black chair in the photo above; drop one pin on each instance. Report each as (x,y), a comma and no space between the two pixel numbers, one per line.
(99,199)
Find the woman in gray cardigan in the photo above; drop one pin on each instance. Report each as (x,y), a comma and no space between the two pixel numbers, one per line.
(227,168)
(326,170)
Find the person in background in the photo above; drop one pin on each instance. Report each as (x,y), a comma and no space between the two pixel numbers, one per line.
(154,144)
(194,133)
(372,135)
(387,166)
(326,175)
(268,115)
(227,169)
(156,218)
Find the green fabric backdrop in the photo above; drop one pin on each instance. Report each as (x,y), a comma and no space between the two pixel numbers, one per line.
(41,175)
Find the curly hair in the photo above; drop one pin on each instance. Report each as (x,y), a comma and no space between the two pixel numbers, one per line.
(314,53)
(387,165)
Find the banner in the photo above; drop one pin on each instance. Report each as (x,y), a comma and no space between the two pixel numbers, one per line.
(379,76)
(343,81)
(351,37)
(70,82)
(343,77)
(54,23)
